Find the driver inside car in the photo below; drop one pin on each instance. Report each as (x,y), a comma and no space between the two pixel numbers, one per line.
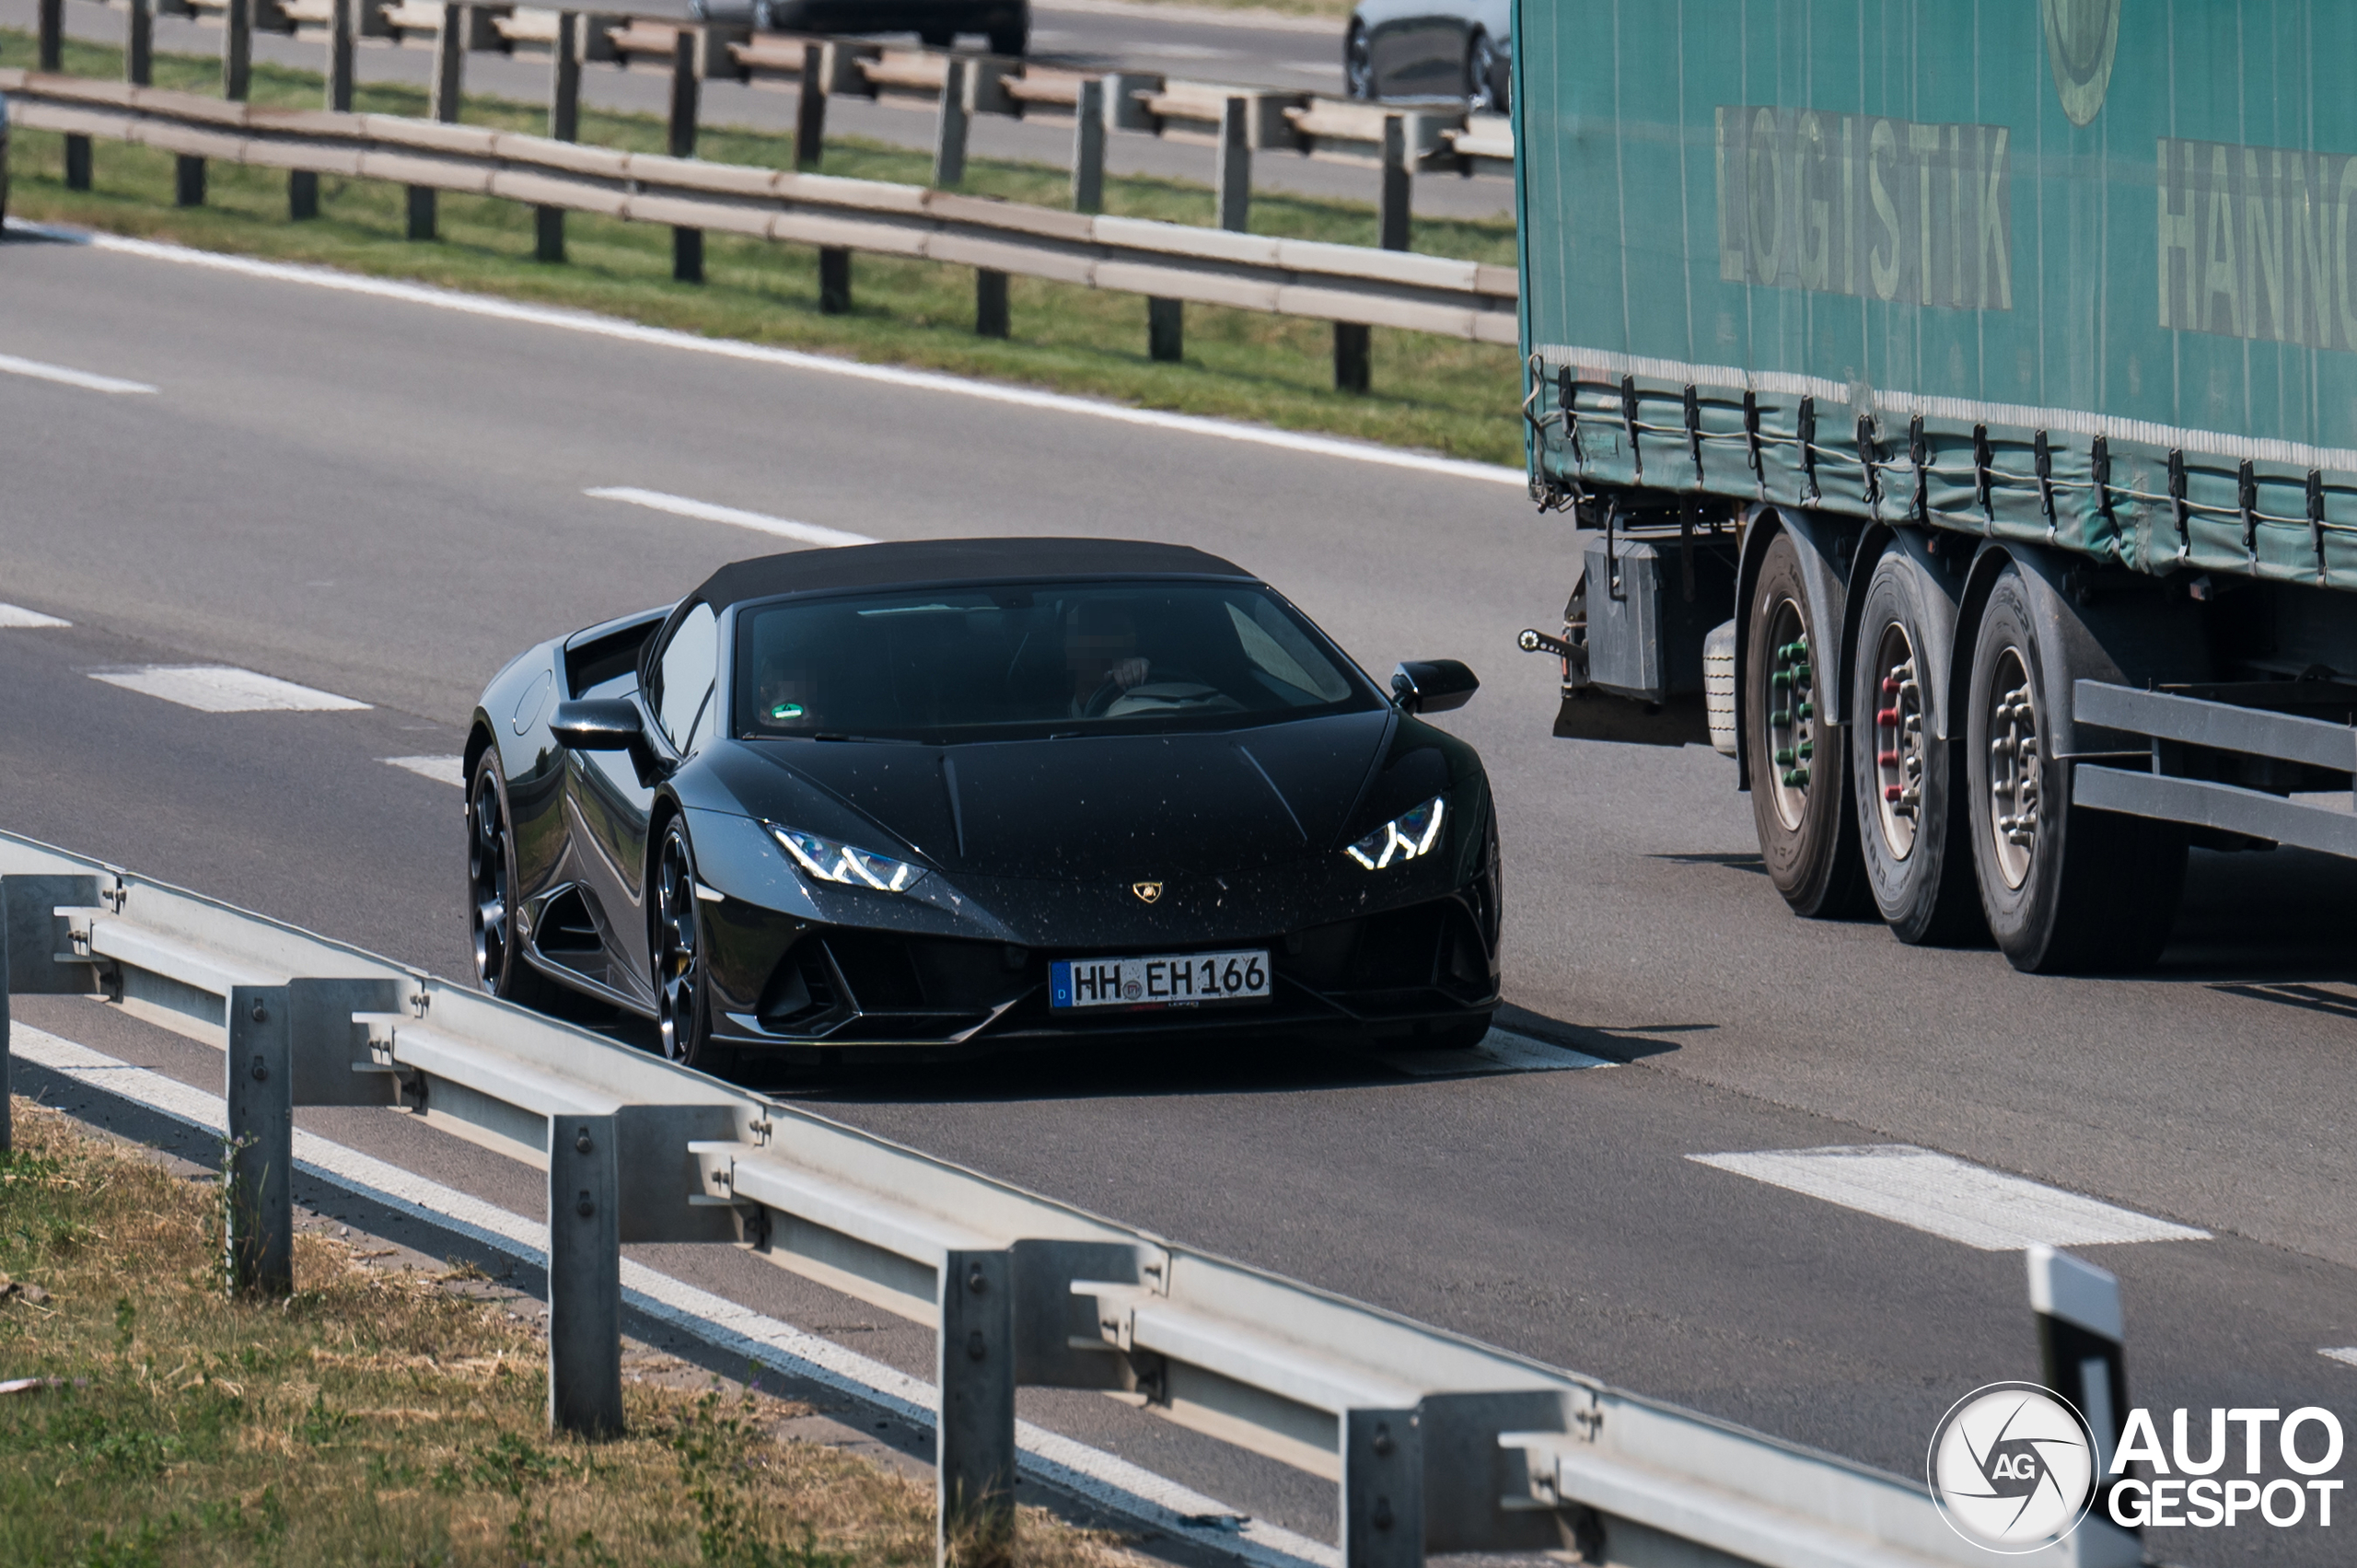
(1101,653)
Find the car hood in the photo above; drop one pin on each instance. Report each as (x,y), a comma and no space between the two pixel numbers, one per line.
(1089,807)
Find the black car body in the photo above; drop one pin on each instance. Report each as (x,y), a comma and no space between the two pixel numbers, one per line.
(1006,24)
(758,881)
(1431,49)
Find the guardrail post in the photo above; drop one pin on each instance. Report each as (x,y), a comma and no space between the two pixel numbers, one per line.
(139,42)
(52,35)
(687,244)
(7,1129)
(564,125)
(1233,175)
(974,1455)
(442,106)
(949,130)
(1088,147)
(340,63)
(810,108)
(258,1168)
(834,280)
(236,49)
(4,946)
(1383,1489)
(1353,340)
(584,1277)
(1165,330)
(2080,1349)
(303,184)
(992,318)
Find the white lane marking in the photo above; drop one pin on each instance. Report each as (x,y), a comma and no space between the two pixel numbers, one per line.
(1950,1197)
(704,511)
(1112,1483)
(223,689)
(892,376)
(1501,1051)
(441,770)
(17,615)
(10,364)
(2346,1355)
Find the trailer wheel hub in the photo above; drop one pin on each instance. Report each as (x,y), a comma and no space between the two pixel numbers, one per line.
(1898,742)
(2014,764)
(1791,713)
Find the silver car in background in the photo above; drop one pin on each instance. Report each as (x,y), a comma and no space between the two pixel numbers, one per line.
(1431,49)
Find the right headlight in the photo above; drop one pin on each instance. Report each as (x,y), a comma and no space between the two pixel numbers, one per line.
(1405,837)
(828,860)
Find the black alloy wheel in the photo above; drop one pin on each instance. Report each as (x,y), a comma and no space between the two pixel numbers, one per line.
(1481,77)
(1358,63)
(1914,832)
(2066,890)
(1800,788)
(682,1009)
(500,965)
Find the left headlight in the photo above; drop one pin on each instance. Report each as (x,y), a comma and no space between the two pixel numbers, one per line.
(829,861)
(1406,836)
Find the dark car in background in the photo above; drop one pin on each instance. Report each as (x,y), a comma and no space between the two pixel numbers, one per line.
(951,795)
(939,24)
(1461,49)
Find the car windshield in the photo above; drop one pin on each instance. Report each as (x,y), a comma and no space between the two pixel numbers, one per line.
(1011,661)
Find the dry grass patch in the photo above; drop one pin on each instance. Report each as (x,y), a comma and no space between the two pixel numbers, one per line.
(376,1417)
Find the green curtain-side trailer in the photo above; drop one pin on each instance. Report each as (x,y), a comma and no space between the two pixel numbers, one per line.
(1966,396)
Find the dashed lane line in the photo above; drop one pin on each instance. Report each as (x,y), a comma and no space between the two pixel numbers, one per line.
(1105,1479)
(11,365)
(1501,1051)
(223,689)
(794,359)
(441,770)
(17,615)
(1949,1197)
(2345,1354)
(706,512)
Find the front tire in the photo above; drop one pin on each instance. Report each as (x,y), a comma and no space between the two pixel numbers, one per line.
(1914,835)
(1358,63)
(682,992)
(492,890)
(1481,77)
(2065,889)
(1800,788)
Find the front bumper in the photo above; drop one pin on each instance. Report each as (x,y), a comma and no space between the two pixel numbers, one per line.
(838,992)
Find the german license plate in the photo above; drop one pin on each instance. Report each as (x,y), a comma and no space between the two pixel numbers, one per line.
(1176,980)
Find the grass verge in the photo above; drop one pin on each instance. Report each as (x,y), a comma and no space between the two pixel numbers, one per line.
(1436,393)
(375,1418)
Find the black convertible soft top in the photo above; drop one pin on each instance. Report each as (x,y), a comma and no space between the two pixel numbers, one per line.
(930,561)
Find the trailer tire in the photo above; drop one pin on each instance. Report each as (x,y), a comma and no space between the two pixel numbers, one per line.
(2065,889)
(1914,832)
(1800,780)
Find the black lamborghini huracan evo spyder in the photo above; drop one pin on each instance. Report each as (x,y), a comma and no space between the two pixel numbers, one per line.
(922,799)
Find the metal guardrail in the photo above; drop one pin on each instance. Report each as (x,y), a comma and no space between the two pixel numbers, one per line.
(1337,283)
(1440,1444)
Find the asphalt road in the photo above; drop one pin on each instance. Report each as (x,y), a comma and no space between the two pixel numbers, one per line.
(383,500)
(1252,49)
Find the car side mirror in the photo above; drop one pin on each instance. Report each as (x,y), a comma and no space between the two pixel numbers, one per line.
(1433,686)
(598,724)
